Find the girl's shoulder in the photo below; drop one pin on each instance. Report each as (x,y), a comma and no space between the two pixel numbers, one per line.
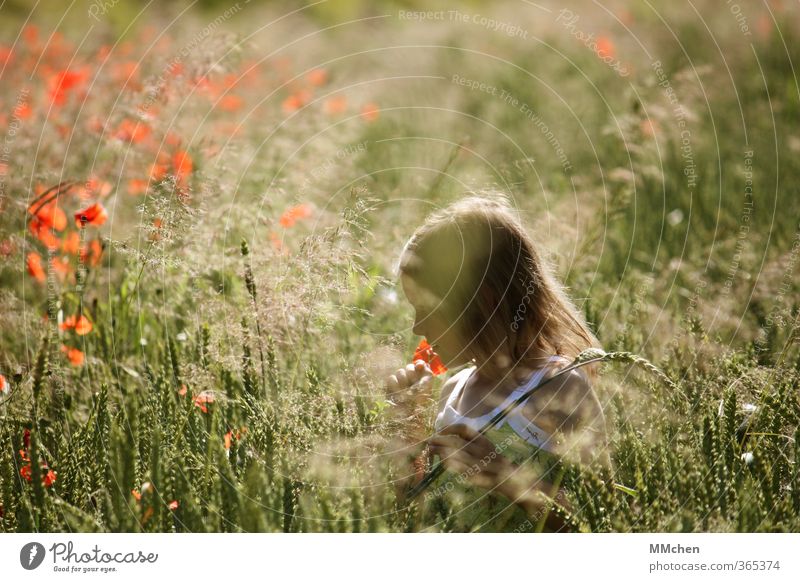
(568,405)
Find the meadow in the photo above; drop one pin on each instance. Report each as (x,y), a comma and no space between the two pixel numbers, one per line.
(201,208)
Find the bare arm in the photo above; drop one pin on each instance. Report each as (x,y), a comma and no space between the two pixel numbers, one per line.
(410,391)
(568,407)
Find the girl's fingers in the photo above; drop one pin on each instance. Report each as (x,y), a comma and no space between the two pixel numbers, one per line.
(453,441)
(462,431)
(422,368)
(478,442)
(418,375)
(418,371)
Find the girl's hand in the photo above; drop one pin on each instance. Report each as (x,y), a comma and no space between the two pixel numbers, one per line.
(473,455)
(466,451)
(411,386)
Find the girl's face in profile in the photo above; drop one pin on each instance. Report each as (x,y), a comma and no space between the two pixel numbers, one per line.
(428,322)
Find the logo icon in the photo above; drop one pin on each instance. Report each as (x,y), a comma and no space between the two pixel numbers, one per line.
(31,555)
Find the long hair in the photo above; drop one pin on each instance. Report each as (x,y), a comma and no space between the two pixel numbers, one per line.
(476,257)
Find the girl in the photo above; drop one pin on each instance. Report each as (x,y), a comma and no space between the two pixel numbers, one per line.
(485,300)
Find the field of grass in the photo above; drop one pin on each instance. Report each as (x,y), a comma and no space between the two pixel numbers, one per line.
(201,209)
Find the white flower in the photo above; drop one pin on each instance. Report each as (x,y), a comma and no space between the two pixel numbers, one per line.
(389,295)
(675,217)
(181,337)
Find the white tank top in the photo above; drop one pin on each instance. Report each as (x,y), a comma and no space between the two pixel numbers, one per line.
(524,428)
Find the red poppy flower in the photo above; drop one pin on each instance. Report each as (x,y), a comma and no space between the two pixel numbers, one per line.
(605,47)
(155,234)
(74,355)
(61,83)
(182,165)
(370,111)
(425,353)
(6,55)
(764,26)
(44,233)
(71,243)
(23,111)
(137,186)
(126,73)
(231,102)
(290,216)
(91,253)
(132,131)
(25,471)
(202,84)
(35,270)
(238,434)
(277,243)
(145,488)
(296,100)
(31,35)
(95,215)
(317,77)
(158,171)
(172,139)
(83,325)
(202,399)
(49,478)
(649,127)
(336,105)
(3,383)
(49,215)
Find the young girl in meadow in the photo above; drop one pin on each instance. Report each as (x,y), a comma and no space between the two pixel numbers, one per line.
(487,303)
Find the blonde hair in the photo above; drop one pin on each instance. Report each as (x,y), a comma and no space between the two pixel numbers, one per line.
(477,248)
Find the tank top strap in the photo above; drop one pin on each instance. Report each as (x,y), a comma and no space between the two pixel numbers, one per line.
(463,376)
(448,414)
(538,375)
(519,423)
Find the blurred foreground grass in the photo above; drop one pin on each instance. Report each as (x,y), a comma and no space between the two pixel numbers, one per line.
(227,388)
